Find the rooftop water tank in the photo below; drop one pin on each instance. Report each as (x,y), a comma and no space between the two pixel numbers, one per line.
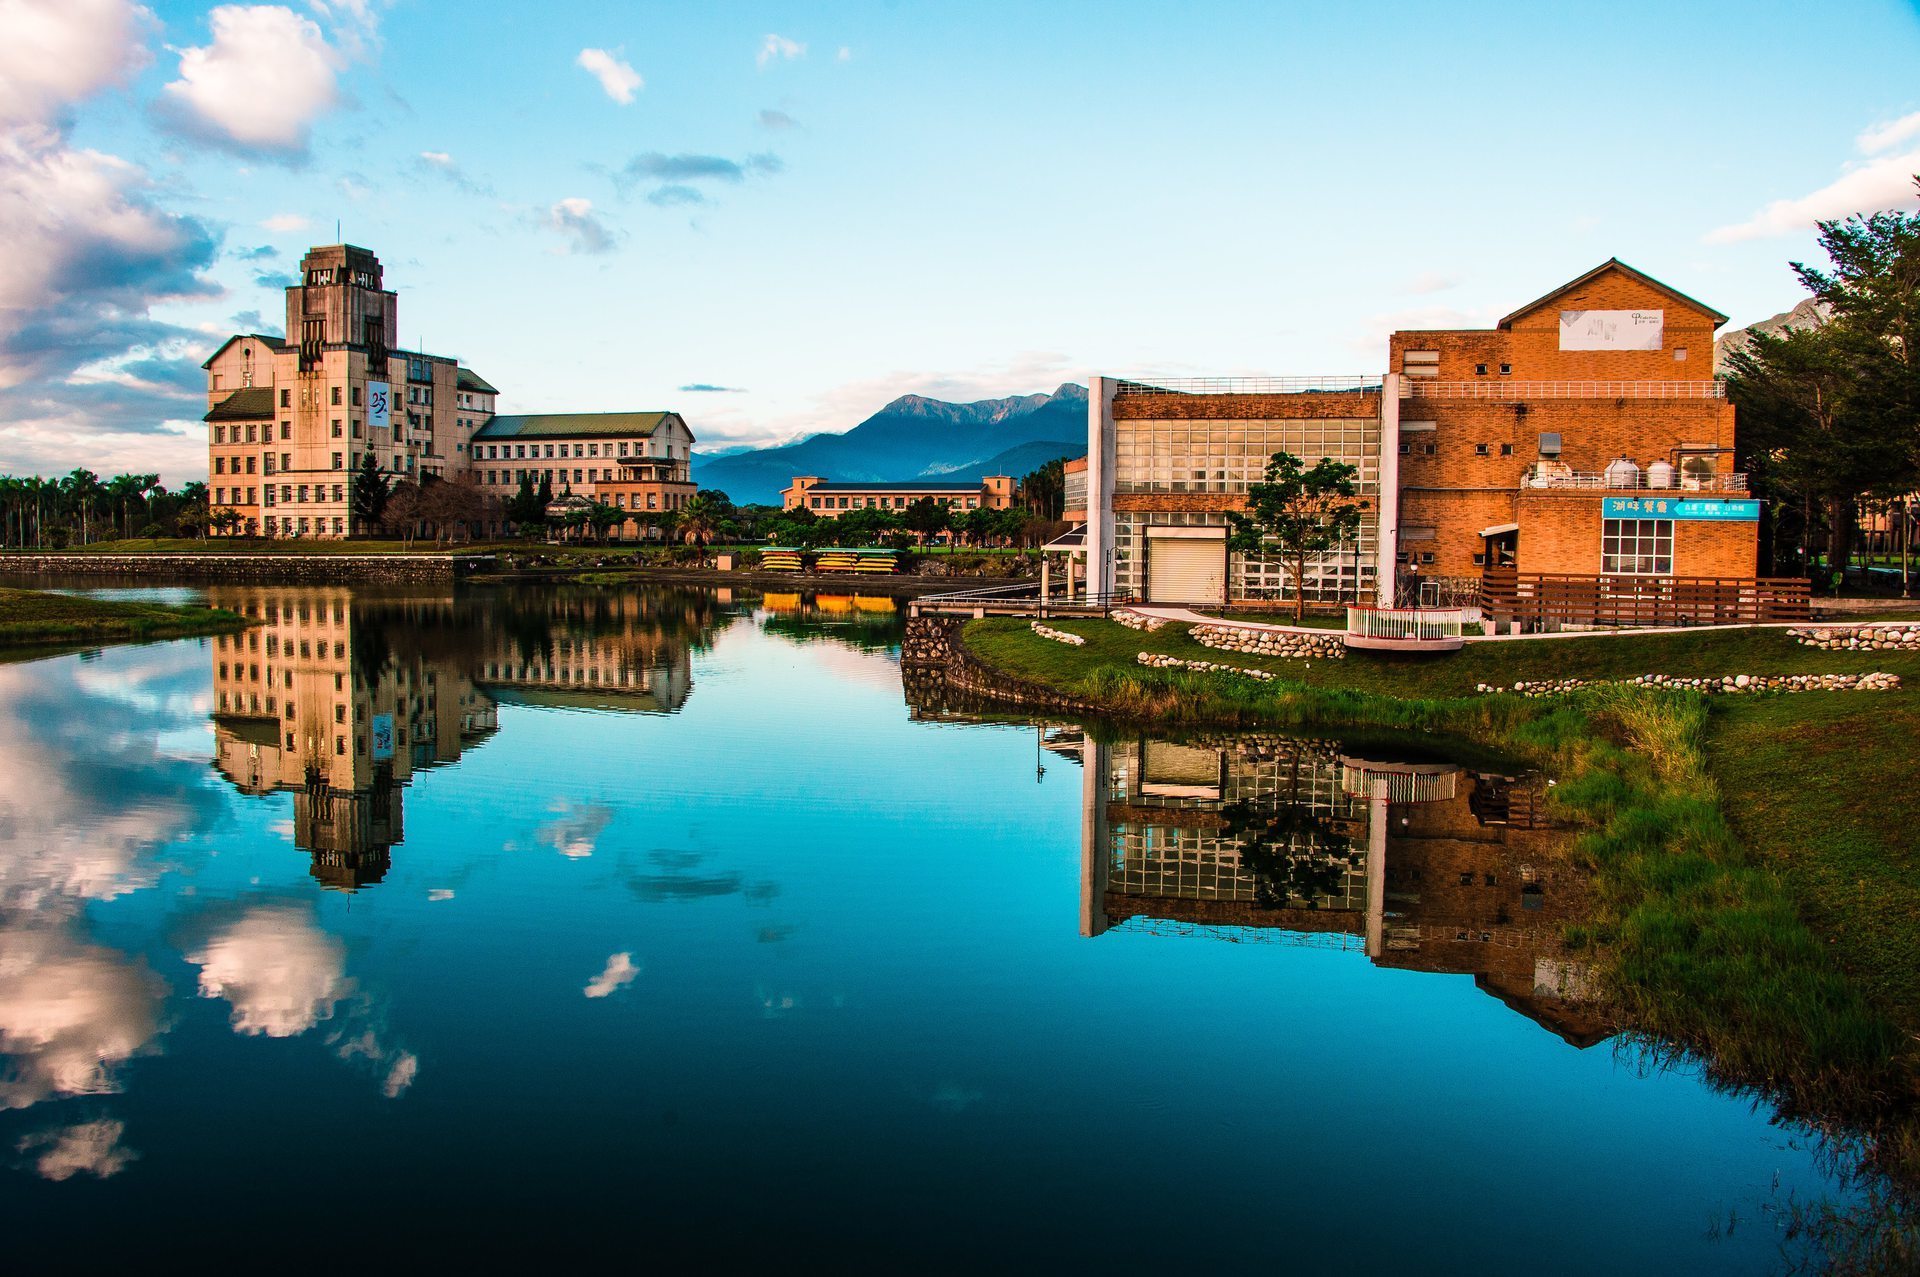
(1623,474)
(1660,475)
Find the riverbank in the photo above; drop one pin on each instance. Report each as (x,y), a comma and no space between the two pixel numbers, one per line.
(1749,907)
(35,619)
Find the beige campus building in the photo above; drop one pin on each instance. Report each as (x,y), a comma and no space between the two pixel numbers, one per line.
(290,420)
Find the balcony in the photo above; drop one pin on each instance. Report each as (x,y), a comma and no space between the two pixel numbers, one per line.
(1540,476)
(1506,388)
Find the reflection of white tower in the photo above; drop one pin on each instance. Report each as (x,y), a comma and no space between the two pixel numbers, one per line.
(1381,784)
(1095,760)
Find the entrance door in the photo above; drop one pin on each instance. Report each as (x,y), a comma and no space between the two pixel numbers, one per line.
(1186,570)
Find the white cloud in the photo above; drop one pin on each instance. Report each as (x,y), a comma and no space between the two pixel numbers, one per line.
(85,1148)
(575,830)
(356,23)
(280,972)
(259,87)
(775,47)
(620,972)
(1868,186)
(57,52)
(617,78)
(574,220)
(1888,134)
(844,55)
(285,223)
(439,159)
(1431,281)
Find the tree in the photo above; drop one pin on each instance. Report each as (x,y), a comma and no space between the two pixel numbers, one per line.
(1296,513)
(925,518)
(368,497)
(403,510)
(604,518)
(525,510)
(226,522)
(447,502)
(1045,490)
(865,526)
(1830,415)
(698,519)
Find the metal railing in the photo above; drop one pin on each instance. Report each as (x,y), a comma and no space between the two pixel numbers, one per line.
(1020,599)
(1402,624)
(1727,481)
(1244,385)
(1489,388)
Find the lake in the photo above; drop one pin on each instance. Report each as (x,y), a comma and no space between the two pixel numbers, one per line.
(655,927)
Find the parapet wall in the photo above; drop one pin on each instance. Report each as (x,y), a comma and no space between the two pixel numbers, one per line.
(272,569)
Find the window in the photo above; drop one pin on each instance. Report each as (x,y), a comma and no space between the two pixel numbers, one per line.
(1642,547)
(250,461)
(268,458)
(356,396)
(336,396)
(1479,370)
(1420,363)
(286,461)
(252,437)
(1506,370)
(336,427)
(286,430)
(219,465)
(1506,450)
(1480,449)
(286,398)
(219,434)
(219,496)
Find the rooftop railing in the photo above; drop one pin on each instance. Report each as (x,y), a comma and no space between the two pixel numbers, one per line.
(1730,481)
(1505,388)
(1245,385)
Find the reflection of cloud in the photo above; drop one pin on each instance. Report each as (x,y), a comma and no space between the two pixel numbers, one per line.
(69,1013)
(440,893)
(402,1066)
(575,830)
(405,1066)
(280,972)
(89,1148)
(619,973)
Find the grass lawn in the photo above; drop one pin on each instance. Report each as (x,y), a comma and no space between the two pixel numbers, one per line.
(1753,857)
(32,618)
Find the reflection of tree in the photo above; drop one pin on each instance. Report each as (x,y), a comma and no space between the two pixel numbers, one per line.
(1294,855)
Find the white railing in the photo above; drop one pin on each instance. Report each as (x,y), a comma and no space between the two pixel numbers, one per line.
(1731,481)
(1503,388)
(1400,782)
(1410,624)
(1242,385)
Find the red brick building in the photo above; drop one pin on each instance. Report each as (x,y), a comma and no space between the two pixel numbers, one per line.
(1583,436)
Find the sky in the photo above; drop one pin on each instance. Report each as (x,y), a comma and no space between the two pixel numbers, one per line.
(775,217)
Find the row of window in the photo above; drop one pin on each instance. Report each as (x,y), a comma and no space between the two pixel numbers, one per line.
(302,526)
(515,451)
(887,503)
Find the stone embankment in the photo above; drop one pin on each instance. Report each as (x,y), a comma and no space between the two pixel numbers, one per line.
(1138,620)
(1291,644)
(1894,636)
(1058,636)
(1160,661)
(1729,684)
(271,569)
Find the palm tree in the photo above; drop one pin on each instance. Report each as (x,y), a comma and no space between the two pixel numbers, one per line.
(698,519)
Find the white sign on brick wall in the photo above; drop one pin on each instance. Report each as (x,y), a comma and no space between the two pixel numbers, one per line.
(1611,329)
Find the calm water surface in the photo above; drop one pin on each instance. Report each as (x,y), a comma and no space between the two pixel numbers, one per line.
(649,927)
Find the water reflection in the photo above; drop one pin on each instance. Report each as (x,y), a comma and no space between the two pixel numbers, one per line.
(339,697)
(1419,866)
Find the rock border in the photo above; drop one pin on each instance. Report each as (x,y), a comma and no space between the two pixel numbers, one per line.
(1058,636)
(1161,661)
(1727,684)
(1287,644)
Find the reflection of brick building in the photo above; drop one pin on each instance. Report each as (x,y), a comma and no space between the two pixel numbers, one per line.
(1422,867)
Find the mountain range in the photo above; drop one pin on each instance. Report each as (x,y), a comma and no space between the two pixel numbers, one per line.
(913,437)
(1807,314)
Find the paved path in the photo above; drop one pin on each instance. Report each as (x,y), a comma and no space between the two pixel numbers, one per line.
(1188,616)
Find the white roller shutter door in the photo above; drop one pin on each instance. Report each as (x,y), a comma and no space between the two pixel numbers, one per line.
(1186,570)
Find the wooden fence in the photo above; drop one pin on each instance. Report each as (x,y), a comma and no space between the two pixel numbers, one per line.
(1537,599)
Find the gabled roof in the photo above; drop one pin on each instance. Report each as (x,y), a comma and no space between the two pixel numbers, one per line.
(271,342)
(468,379)
(1614,263)
(568,425)
(251,404)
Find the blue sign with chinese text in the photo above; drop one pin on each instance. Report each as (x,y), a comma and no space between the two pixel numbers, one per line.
(1679,508)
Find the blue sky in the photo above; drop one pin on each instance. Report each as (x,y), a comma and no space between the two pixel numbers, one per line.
(821,206)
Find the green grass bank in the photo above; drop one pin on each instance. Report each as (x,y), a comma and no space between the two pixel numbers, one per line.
(37,619)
